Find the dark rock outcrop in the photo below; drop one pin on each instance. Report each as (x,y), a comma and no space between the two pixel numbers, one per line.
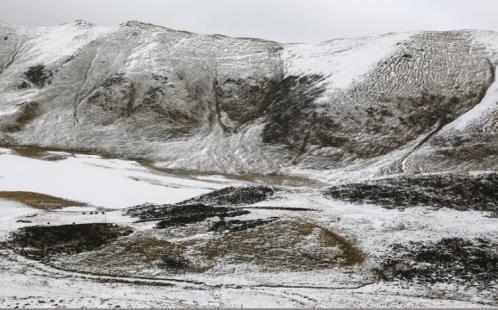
(449,260)
(455,191)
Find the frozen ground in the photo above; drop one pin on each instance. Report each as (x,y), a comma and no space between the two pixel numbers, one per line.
(238,172)
(69,282)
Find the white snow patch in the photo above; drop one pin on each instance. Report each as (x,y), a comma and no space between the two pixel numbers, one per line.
(101,182)
(54,42)
(340,61)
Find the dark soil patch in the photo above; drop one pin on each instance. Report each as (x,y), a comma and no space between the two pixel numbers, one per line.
(239,225)
(178,215)
(234,196)
(42,242)
(38,75)
(456,191)
(447,260)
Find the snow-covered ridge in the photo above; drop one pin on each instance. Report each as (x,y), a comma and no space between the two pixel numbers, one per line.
(239,105)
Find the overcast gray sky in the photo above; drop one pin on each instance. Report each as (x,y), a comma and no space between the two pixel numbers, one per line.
(281,20)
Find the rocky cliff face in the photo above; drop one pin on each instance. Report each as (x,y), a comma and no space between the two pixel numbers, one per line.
(413,102)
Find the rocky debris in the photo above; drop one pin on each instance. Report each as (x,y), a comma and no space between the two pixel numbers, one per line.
(239,225)
(42,242)
(234,196)
(461,192)
(449,260)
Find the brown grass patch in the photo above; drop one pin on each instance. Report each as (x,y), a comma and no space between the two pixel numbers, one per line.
(271,178)
(38,153)
(284,245)
(39,201)
(133,255)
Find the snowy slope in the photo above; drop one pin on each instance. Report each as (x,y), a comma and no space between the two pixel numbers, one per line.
(104,183)
(215,103)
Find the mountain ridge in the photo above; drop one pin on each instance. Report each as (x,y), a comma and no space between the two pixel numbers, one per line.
(232,105)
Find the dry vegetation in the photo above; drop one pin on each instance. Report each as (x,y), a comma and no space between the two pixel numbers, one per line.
(287,244)
(39,201)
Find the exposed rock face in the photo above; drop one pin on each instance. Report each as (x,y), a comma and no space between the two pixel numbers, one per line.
(236,105)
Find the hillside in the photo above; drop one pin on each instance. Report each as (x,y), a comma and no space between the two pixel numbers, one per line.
(410,102)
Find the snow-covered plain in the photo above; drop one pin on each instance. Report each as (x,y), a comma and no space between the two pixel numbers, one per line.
(120,183)
(108,183)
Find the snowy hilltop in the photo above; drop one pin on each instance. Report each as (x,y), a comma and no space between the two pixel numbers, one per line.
(409,102)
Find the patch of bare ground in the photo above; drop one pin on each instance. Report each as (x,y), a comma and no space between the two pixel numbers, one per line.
(283,245)
(270,178)
(39,201)
(270,245)
(132,255)
(456,191)
(44,242)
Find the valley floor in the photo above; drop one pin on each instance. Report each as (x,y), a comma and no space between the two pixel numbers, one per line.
(297,247)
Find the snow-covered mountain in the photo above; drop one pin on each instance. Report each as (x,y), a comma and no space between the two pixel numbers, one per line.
(401,127)
(409,102)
